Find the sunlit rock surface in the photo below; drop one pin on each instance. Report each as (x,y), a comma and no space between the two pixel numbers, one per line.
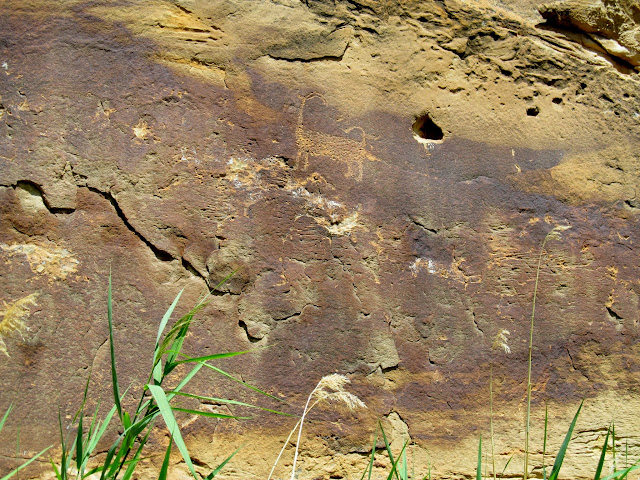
(382,176)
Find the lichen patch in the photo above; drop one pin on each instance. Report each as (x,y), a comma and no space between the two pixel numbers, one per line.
(53,261)
(13,319)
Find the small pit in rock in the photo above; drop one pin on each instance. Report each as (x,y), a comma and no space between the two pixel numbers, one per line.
(426,130)
(533,111)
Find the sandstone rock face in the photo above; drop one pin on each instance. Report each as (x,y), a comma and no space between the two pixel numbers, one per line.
(612,27)
(380,174)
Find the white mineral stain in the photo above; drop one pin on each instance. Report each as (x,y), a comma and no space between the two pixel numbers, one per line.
(141,130)
(246,173)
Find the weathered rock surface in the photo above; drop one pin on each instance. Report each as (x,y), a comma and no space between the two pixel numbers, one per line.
(612,27)
(382,174)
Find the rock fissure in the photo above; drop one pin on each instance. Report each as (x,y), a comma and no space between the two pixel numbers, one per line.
(312,59)
(159,253)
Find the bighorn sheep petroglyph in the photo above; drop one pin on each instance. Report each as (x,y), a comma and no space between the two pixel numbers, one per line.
(342,150)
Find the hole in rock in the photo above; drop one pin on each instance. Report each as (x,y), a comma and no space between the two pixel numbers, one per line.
(425,129)
(557,100)
(533,111)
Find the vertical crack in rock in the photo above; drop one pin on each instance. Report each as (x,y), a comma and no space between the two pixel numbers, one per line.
(571,359)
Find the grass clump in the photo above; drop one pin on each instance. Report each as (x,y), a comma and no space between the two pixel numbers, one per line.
(125,452)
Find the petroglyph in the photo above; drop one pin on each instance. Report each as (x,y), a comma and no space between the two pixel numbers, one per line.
(249,173)
(338,149)
(453,271)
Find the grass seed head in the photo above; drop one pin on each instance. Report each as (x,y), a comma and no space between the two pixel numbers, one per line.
(556,232)
(331,388)
(349,399)
(500,341)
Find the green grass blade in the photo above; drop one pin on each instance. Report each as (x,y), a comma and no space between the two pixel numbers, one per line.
(371,459)
(114,374)
(184,381)
(405,469)
(157,372)
(231,377)
(95,424)
(428,475)
(163,323)
(108,465)
(221,466)
(622,473)
(229,402)
(626,452)
(613,444)
(165,463)
(112,459)
(602,456)
(63,445)
(24,465)
(115,456)
(388,447)
(100,468)
(394,465)
(101,429)
(479,466)
(563,448)
(128,438)
(84,400)
(174,351)
(174,337)
(207,414)
(126,420)
(222,282)
(172,425)
(212,357)
(507,464)
(55,469)
(4,418)
(136,458)
(79,444)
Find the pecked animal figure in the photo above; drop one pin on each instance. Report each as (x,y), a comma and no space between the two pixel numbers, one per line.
(342,150)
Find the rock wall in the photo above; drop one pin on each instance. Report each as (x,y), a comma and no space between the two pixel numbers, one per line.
(381,173)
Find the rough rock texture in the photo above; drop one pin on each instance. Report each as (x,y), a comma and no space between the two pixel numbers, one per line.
(381,173)
(612,27)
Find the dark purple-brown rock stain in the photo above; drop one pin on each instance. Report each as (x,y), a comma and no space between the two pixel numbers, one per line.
(406,274)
